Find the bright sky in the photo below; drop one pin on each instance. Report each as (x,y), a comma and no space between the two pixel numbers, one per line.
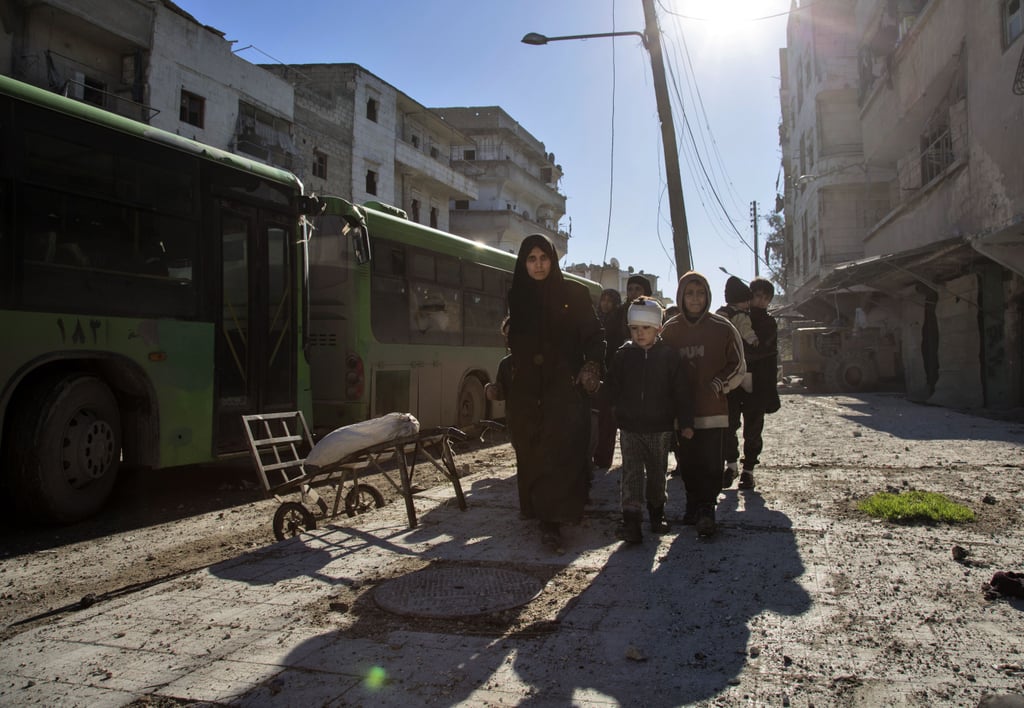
(591,102)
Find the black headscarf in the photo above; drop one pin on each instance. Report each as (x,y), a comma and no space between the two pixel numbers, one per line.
(534,304)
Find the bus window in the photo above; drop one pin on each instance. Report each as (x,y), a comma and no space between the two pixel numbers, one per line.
(421,266)
(93,255)
(388,307)
(435,314)
(279,354)
(483,320)
(448,271)
(472,276)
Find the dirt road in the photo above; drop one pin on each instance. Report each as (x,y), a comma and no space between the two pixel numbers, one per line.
(894,594)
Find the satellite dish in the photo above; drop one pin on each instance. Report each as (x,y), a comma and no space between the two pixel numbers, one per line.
(614,262)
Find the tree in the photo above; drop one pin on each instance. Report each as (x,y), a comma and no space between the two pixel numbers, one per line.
(776,250)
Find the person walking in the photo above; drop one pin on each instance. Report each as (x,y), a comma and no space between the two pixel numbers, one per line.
(737,310)
(712,355)
(647,387)
(608,311)
(763,397)
(557,345)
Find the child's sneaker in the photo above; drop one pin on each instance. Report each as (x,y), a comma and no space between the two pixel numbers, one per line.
(747,480)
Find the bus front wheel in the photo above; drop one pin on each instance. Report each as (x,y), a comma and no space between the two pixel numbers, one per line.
(65,447)
(472,403)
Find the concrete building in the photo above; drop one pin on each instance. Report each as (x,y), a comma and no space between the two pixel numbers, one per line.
(362,139)
(473,171)
(151,61)
(518,180)
(612,275)
(905,184)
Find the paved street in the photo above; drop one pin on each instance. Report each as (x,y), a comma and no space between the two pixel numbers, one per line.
(800,600)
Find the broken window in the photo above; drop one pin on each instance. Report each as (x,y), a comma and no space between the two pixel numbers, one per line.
(319,164)
(433,217)
(93,92)
(371,109)
(193,109)
(371,182)
(1013,21)
(415,209)
(936,153)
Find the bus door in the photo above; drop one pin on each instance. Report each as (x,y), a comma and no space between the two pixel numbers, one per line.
(255,341)
(428,384)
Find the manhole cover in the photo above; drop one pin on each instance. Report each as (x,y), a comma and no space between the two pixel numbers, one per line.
(456,591)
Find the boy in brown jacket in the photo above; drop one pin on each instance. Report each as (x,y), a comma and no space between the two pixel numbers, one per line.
(712,355)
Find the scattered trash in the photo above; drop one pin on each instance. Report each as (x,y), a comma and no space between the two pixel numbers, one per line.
(1005,583)
(634,654)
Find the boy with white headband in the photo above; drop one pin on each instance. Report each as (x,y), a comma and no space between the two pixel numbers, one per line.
(648,389)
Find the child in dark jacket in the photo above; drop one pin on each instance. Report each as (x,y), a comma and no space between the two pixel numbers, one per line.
(647,387)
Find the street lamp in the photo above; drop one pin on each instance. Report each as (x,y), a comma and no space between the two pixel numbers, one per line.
(537,39)
(651,39)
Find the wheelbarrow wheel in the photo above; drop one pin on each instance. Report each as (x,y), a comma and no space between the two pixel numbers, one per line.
(363,498)
(291,519)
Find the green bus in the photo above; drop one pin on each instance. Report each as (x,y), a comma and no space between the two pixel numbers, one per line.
(152,291)
(413,325)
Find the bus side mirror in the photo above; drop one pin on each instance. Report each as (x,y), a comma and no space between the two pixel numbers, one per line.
(361,244)
(310,205)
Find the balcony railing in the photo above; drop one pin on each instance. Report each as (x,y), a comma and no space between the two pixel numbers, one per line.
(108,100)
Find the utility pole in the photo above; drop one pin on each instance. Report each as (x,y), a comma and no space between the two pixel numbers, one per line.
(677,208)
(753,222)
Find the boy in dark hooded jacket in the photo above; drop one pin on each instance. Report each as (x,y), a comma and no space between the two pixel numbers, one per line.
(712,355)
(647,386)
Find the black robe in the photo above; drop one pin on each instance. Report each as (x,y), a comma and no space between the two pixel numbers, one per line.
(553,331)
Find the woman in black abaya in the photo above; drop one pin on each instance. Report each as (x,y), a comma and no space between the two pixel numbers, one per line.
(557,346)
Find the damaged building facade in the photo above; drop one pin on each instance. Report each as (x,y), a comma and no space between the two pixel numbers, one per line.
(339,128)
(904,199)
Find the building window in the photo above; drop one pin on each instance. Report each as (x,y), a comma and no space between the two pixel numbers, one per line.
(264,135)
(415,209)
(433,217)
(936,153)
(93,92)
(462,204)
(415,140)
(371,182)
(319,164)
(193,109)
(371,109)
(434,153)
(545,175)
(1013,20)
(469,154)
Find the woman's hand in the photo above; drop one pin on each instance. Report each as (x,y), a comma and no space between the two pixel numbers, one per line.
(590,377)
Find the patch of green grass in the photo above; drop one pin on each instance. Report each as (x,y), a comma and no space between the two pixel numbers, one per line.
(915,506)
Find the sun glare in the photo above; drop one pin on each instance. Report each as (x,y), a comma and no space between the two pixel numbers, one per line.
(735,19)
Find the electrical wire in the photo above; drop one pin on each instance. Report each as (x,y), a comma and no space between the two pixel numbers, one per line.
(611,154)
(709,182)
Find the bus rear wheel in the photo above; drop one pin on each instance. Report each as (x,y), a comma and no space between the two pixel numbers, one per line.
(65,447)
(472,403)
